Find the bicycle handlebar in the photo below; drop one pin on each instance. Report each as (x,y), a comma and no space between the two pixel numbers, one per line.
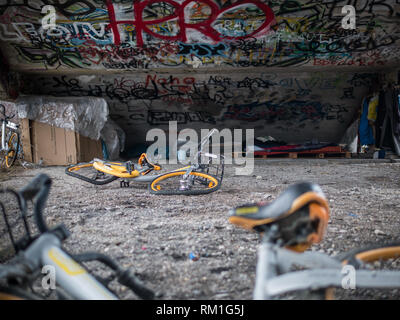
(127,279)
(38,188)
(10,271)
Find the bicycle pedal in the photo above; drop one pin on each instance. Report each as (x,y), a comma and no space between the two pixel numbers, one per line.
(124,184)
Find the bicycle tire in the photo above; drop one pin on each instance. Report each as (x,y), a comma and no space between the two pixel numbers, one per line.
(372,253)
(213,185)
(366,255)
(12,293)
(13,151)
(76,167)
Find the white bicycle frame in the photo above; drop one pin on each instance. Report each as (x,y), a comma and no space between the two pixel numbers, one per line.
(274,275)
(45,250)
(74,280)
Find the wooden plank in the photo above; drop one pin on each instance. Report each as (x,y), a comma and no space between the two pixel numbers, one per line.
(25,129)
(88,149)
(296,155)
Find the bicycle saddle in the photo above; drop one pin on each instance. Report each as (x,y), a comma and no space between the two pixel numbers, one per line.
(144,161)
(301,213)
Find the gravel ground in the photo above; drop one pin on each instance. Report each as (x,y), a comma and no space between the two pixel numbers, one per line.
(154,235)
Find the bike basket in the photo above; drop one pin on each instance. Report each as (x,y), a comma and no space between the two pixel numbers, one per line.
(212,164)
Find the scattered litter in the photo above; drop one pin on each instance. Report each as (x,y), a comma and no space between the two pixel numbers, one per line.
(352,215)
(266,138)
(30,165)
(379,232)
(193,256)
(258,177)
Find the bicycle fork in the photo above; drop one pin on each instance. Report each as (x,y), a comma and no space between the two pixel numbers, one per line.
(184,183)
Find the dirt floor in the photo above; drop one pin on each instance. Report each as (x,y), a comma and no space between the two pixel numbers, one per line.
(155,235)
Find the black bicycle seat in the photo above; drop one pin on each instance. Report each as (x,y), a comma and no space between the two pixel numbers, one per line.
(294,198)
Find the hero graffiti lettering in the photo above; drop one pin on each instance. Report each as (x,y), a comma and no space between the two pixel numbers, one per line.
(178,16)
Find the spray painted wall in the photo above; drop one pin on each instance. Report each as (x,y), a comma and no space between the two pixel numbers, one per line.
(249,63)
(147,34)
(291,106)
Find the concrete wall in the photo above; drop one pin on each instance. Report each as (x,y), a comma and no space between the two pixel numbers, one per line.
(2,93)
(286,68)
(289,106)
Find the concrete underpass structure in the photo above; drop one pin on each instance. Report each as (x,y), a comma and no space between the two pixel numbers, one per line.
(289,69)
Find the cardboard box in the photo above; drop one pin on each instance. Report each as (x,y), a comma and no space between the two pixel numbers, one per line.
(56,146)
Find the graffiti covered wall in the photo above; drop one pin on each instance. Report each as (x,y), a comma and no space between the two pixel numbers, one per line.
(268,65)
(147,34)
(290,106)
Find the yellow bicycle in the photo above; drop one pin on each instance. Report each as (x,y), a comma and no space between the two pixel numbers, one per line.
(201,177)
(102,172)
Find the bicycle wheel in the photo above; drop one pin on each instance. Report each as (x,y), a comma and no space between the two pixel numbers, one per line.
(13,148)
(172,183)
(380,257)
(86,172)
(370,254)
